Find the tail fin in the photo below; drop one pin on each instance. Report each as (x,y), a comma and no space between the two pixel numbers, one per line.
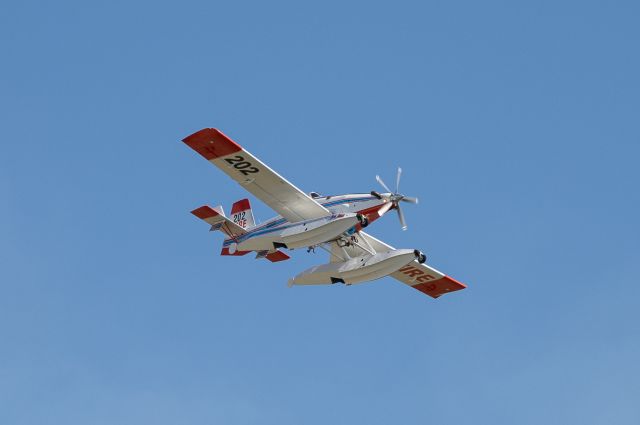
(218,221)
(242,215)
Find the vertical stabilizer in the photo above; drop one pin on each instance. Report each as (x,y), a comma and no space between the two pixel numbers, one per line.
(242,215)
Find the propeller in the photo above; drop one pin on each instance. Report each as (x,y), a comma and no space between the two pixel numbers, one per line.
(393,199)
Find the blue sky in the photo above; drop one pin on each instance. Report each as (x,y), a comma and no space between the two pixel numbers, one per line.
(516,123)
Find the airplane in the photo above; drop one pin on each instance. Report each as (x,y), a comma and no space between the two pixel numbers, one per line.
(332,223)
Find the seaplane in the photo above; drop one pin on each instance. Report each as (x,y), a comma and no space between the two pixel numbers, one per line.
(310,221)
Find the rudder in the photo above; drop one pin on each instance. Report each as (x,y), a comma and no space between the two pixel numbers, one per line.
(242,215)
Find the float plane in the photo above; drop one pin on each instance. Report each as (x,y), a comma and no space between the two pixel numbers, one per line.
(310,221)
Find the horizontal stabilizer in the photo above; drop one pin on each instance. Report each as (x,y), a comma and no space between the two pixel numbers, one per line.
(273,256)
(218,221)
(276,256)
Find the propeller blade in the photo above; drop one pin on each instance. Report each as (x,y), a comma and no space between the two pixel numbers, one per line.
(410,199)
(403,223)
(386,207)
(382,183)
(398,180)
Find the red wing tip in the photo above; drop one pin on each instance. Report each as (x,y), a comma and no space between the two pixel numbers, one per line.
(204,212)
(436,288)
(241,205)
(460,285)
(211,143)
(202,136)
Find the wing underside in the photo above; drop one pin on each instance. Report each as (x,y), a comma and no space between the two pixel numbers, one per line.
(255,176)
(422,277)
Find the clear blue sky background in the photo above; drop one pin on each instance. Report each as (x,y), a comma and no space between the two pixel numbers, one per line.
(516,124)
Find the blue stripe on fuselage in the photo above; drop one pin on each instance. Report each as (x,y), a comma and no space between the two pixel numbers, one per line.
(281,223)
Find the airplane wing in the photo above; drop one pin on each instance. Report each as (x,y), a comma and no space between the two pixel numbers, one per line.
(422,277)
(252,174)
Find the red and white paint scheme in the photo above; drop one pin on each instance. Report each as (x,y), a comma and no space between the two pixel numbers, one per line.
(332,223)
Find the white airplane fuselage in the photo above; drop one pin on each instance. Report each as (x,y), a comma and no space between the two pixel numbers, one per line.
(350,204)
(330,223)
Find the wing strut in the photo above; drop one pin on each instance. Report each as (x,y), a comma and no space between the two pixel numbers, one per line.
(331,253)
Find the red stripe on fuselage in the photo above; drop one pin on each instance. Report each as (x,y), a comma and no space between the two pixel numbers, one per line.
(371,213)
